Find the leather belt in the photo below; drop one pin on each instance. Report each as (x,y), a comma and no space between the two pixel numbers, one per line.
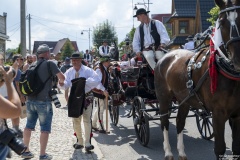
(147,48)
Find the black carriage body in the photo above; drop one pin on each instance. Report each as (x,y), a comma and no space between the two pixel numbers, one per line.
(138,81)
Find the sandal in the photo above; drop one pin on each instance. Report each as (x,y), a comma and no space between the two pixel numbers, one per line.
(77,146)
(102,131)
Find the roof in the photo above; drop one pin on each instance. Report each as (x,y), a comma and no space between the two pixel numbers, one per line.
(205,7)
(178,40)
(161,17)
(55,46)
(184,8)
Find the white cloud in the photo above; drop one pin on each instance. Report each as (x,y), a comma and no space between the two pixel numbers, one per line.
(82,14)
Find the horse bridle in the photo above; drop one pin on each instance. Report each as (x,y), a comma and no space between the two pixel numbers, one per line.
(233,25)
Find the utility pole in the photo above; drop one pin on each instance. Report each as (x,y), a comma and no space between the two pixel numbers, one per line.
(29,34)
(89,32)
(23,27)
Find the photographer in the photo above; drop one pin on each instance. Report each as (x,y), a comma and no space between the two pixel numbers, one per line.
(9,108)
(39,107)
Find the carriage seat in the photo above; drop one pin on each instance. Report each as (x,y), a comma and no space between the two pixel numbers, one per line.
(130,74)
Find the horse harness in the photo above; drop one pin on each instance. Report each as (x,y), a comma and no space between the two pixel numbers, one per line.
(193,65)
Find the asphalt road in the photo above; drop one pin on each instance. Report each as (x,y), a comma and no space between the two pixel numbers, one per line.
(122,144)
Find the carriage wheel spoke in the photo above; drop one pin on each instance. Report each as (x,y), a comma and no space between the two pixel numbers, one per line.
(209,129)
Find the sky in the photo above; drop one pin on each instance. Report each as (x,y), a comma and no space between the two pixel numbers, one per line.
(52,20)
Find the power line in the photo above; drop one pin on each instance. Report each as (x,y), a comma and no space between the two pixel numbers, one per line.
(58,31)
(15,30)
(17,27)
(45,19)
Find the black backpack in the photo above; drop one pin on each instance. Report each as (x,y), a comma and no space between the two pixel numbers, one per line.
(30,83)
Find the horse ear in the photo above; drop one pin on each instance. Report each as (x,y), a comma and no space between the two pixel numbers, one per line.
(220,3)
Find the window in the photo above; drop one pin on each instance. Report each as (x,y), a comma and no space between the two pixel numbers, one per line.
(183,27)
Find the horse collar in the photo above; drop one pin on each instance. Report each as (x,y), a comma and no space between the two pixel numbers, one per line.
(226,69)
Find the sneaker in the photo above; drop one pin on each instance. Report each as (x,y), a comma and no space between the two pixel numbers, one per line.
(46,157)
(27,155)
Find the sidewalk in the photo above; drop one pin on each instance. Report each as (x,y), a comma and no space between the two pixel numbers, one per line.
(61,140)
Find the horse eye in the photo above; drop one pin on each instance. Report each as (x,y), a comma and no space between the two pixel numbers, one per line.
(221,21)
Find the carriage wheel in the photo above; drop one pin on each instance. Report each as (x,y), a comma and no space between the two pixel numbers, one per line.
(140,121)
(204,124)
(114,114)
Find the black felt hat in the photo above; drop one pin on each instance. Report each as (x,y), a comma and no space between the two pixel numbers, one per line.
(141,11)
(77,55)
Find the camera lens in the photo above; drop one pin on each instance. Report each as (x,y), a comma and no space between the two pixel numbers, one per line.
(56,101)
(17,146)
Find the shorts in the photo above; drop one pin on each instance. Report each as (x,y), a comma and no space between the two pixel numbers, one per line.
(3,151)
(39,110)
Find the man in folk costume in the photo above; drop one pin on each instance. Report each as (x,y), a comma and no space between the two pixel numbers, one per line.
(150,36)
(100,99)
(82,80)
(88,57)
(104,49)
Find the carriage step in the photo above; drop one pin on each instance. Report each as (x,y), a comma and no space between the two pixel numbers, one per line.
(150,110)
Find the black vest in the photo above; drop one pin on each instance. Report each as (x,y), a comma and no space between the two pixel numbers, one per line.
(154,34)
(105,81)
(104,50)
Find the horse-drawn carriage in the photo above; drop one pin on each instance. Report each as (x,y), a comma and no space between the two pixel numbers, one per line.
(205,82)
(135,85)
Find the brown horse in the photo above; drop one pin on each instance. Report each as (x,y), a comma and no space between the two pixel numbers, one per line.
(204,80)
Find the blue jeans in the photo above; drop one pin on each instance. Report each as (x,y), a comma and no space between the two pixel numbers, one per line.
(3,151)
(39,110)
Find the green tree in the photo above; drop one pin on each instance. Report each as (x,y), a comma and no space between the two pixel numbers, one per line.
(214,15)
(104,31)
(67,50)
(130,36)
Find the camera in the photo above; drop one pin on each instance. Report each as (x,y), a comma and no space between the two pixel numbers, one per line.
(6,68)
(53,95)
(8,137)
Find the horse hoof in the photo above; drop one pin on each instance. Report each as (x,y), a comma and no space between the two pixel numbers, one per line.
(169,158)
(182,158)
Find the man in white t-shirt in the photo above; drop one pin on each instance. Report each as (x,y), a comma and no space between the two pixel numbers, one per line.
(190,44)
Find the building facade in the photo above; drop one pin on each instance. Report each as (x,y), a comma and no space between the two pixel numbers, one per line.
(3,32)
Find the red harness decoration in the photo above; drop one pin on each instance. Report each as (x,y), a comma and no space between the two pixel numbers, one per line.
(212,67)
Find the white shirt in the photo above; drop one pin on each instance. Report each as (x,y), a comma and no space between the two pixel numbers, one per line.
(148,39)
(106,51)
(189,45)
(92,79)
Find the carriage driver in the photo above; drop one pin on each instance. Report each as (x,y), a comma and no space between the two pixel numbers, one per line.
(149,36)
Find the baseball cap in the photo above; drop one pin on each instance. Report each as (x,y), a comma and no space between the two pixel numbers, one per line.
(42,49)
